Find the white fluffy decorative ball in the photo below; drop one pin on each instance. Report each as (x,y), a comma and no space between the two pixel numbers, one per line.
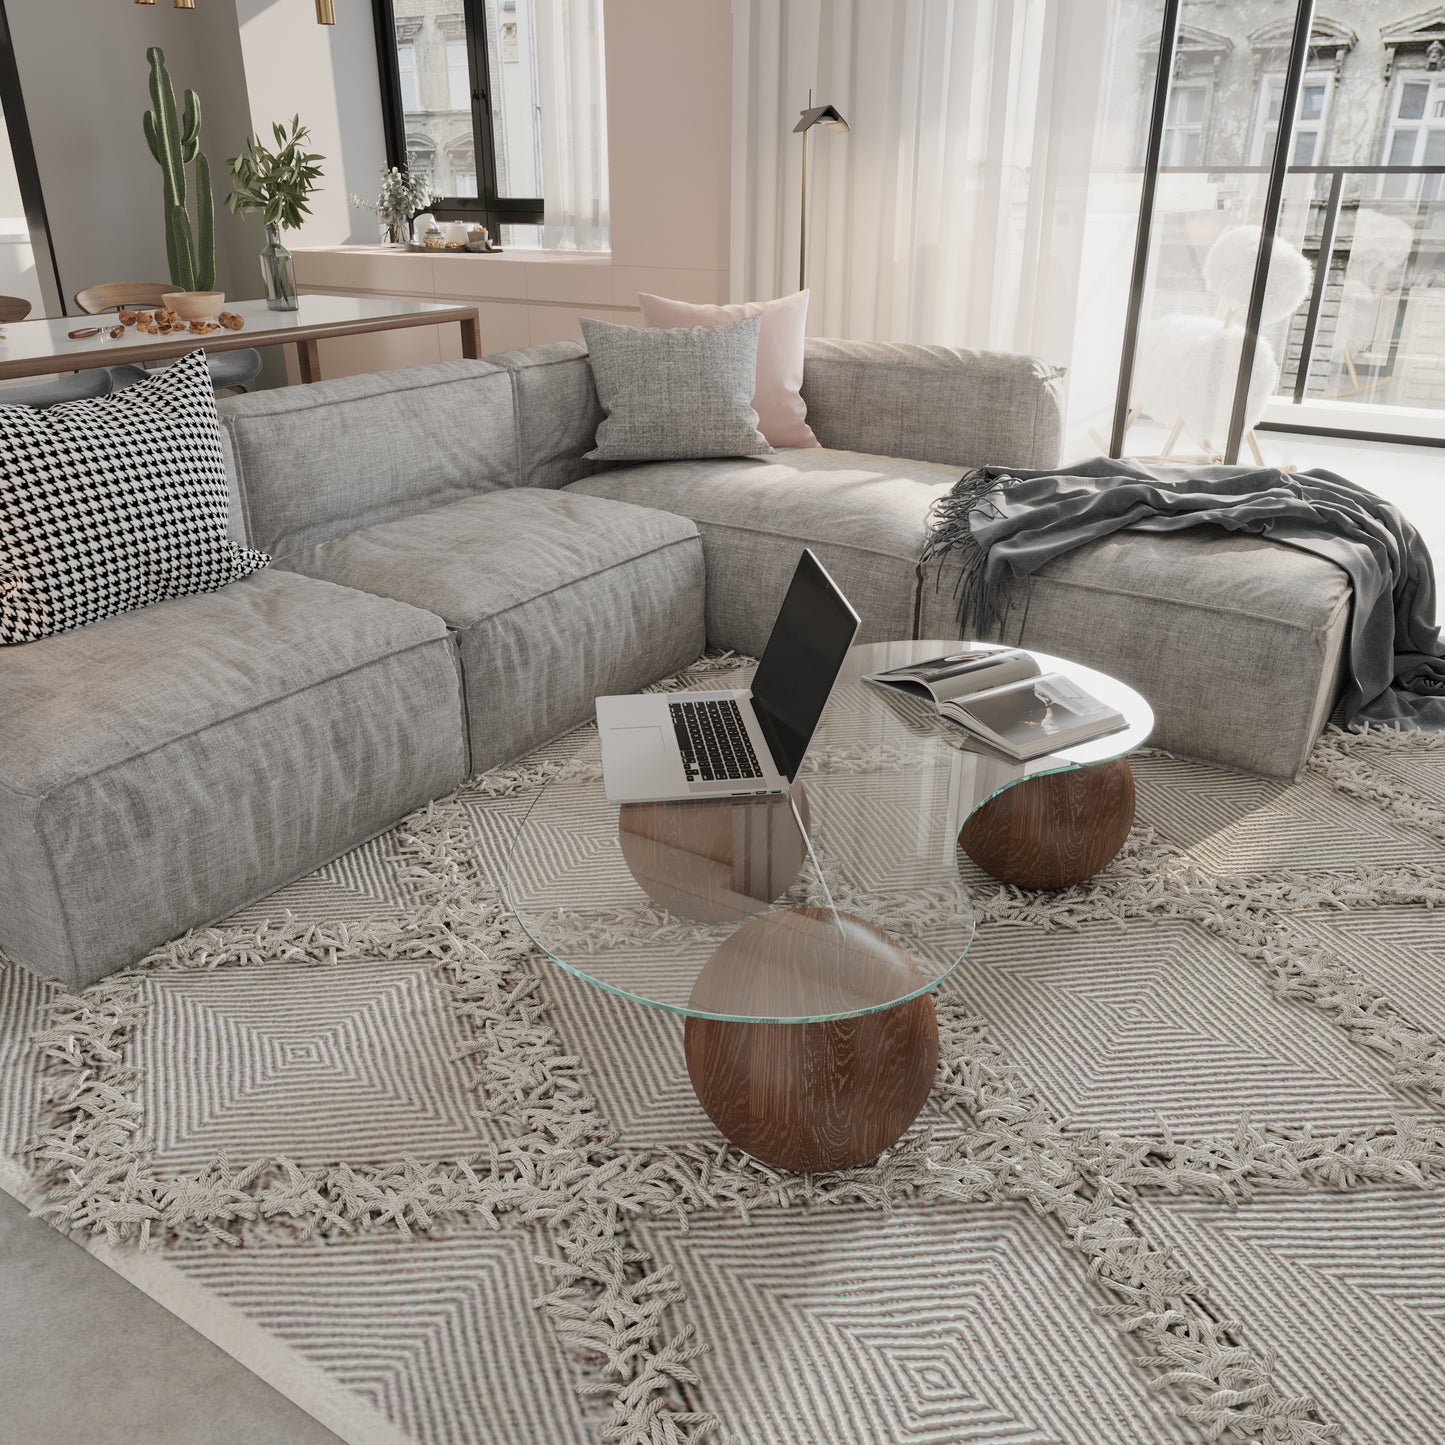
(1186,367)
(1229,273)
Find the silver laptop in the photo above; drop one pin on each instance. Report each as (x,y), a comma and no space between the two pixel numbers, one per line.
(736,742)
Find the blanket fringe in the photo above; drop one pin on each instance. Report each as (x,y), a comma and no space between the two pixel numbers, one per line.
(983,605)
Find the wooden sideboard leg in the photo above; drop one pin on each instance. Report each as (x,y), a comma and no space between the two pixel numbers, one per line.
(471,337)
(1054,830)
(308,357)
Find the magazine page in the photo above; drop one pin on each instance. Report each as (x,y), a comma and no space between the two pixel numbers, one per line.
(959,674)
(1038,715)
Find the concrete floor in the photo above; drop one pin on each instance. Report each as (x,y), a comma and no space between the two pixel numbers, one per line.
(86,1356)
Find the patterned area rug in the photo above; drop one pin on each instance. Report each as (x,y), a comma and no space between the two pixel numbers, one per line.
(1179,1179)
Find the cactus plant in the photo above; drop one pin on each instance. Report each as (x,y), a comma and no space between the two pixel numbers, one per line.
(175,143)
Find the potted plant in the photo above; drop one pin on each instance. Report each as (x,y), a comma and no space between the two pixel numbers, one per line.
(402,196)
(175,142)
(275,184)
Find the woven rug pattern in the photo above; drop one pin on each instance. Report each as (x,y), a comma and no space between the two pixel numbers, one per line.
(1179,1178)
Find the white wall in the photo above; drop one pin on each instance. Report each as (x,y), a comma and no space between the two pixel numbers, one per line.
(327,74)
(84,76)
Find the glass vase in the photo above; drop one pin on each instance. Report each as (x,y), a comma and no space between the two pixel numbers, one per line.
(395,232)
(279,271)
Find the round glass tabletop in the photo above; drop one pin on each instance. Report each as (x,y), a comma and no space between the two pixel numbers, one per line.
(841,899)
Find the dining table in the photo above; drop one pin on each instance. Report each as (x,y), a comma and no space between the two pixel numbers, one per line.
(46,345)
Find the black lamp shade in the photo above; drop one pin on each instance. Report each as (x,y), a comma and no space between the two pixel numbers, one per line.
(820,114)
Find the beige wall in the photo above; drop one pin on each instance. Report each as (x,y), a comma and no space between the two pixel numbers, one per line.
(255,61)
(669,108)
(84,76)
(669,87)
(326,74)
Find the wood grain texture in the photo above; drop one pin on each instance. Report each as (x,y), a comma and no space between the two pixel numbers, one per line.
(811,1096)
(1055,830)
(714,860)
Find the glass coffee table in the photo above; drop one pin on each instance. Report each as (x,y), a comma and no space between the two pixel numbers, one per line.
(802,937)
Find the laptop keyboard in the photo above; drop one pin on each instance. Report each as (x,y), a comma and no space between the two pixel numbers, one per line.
(713,741)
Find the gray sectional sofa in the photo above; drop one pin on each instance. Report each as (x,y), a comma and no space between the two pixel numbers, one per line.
(454,584)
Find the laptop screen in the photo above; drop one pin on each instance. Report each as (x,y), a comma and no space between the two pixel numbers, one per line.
(815,628)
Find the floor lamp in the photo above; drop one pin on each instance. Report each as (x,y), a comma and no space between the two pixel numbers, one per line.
(814,115)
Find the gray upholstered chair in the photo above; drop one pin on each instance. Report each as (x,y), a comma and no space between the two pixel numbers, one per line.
(228,368)
(79,386)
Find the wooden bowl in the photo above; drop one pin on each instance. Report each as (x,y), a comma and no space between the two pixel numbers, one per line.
(195,305)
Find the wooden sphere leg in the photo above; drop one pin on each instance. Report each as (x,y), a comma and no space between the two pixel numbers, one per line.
(815,1096)
(1054,830)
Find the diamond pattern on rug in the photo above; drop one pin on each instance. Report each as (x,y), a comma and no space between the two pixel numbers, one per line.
(363,884)
(635,1064)
(1235,823)
(947,1324)
(1120,1026)
(1350,1288)
(439,1334)
(352,1062)
(1400,950)
(23,997)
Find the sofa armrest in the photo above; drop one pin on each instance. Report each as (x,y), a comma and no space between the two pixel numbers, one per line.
(934,403)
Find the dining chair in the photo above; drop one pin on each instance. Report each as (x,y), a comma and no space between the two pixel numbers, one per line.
(78,386)
(13,308)
(227,368)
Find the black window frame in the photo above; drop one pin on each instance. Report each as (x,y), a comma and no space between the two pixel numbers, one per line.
(486,207)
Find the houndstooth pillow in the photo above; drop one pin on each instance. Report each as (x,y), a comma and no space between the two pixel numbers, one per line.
(111,504)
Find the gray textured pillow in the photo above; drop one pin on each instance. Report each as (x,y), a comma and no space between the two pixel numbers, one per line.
(675,392)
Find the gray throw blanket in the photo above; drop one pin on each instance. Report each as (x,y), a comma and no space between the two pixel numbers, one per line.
(1004,524)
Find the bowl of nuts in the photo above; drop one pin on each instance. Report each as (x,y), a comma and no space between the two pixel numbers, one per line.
(194,305)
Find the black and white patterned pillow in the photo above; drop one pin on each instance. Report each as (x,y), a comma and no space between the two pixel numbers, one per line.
(112,504)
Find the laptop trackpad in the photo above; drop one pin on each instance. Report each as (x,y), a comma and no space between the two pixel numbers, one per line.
(638,752)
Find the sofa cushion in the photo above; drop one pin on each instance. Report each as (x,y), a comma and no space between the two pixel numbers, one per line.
(110,504)
(782,416)
(863,516)
(313,462)
(675,393)
(160,769)
(558,412)
(556,598)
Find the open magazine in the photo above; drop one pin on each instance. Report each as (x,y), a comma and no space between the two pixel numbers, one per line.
(1003,697)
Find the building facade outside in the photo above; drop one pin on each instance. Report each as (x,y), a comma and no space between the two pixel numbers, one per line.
(436,95)
(1373,94)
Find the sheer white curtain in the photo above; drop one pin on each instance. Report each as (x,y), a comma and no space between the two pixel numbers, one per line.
(572,91)
(953,211)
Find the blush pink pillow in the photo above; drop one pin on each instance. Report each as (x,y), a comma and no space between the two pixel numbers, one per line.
(777,397)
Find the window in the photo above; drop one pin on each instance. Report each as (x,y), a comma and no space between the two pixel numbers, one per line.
(1417,134)
(1184,124)
(1309,130)
(461,102)
(406,66)
(459,75)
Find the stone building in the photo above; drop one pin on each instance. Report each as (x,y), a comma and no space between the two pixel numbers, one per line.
(436,94)
(1373,95)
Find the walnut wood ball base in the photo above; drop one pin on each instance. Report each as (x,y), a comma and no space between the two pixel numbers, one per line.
(1054,830)
(813,1096)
